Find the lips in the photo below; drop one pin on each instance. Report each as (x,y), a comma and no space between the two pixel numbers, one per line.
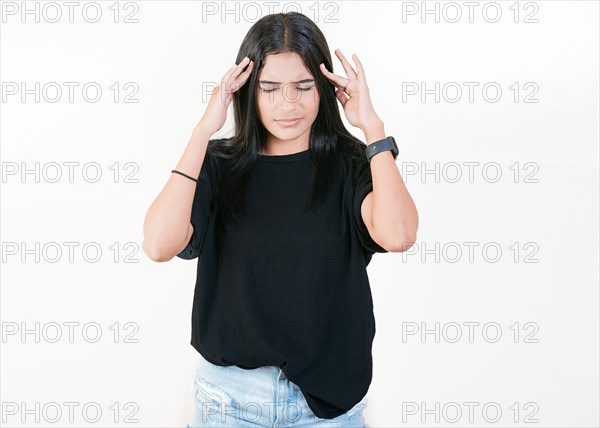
(289,122)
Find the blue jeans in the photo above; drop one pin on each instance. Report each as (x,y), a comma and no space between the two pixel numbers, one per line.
(229,396)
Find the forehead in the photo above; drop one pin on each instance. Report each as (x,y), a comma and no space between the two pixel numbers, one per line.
(284,67)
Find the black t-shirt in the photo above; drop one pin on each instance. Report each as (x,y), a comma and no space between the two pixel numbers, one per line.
(287,287)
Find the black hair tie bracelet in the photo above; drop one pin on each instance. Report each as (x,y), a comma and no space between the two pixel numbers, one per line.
(185,175)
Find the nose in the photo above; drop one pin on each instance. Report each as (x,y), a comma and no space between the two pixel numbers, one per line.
(287,107)
(289,97)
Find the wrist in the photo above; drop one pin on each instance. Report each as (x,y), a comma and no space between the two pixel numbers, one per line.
(374,131)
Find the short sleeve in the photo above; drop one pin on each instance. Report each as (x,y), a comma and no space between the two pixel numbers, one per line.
(201,209)
(363,187)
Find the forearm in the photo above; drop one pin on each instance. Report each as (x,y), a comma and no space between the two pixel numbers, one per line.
(394,211)
(167,221)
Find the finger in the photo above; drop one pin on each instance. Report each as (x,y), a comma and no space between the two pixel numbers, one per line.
(349,70)
(241,79)
(232,73)
(237,71)
(341,96)
(223,87)
(227,75)
(246,64)
(339,81)
(359,68)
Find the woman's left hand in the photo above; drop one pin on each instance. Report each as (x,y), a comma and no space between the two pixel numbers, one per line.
(353,92)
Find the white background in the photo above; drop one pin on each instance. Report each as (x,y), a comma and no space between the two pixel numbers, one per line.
(548,211)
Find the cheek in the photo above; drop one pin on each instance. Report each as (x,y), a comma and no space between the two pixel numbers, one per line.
(263,108)
(312,104)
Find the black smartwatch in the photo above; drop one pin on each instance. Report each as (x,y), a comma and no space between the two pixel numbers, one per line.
(381,146)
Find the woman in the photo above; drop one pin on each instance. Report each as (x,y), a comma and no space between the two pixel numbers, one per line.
(284,218)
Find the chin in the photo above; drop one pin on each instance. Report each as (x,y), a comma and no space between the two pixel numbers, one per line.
(284,136)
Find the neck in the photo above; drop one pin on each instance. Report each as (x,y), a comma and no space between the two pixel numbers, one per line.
(275,146)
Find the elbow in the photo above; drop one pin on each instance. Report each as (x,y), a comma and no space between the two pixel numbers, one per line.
(155,253)
(404,243)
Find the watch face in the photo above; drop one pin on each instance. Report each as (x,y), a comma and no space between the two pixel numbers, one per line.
(395,151)
(393,141)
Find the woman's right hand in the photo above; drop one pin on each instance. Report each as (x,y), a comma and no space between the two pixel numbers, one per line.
(216,112)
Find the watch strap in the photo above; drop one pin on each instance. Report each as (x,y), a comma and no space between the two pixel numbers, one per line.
(388,143)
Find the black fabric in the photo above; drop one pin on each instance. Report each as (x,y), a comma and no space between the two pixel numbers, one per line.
(287,287)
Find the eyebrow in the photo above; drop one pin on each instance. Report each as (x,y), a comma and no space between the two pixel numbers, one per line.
(269,82)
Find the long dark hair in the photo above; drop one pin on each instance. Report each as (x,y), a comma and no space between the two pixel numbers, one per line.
(330,142)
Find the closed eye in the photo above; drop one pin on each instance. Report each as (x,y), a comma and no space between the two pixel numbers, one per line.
(300,89)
